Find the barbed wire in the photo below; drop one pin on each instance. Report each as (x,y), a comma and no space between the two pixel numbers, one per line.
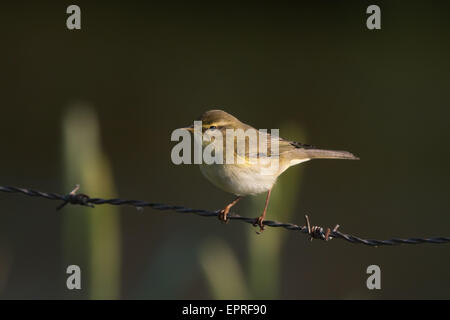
(314,232)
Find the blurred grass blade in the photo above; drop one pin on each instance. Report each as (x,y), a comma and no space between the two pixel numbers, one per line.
(223,271)
(91,237)
(265,250)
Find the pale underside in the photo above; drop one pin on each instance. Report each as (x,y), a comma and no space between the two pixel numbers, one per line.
(244,179)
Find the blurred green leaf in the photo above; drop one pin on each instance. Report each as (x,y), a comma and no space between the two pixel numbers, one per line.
(91,237)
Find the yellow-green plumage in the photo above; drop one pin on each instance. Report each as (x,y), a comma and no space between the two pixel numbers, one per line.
(252,177)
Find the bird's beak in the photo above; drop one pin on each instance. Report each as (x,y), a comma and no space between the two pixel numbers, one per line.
(190,128)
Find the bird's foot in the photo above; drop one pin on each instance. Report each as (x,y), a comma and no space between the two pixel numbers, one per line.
(222,216)
(224,212)
(259,222)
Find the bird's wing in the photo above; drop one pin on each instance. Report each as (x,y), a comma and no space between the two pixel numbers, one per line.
(288,150)
(265,146)
(293,150)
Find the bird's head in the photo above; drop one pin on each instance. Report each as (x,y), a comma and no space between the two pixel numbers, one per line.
(216,122)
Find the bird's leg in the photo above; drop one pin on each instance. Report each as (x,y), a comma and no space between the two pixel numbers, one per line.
(260,220)
(224,212)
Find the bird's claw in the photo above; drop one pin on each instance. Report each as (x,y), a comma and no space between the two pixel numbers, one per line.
(259,222)
(222,216)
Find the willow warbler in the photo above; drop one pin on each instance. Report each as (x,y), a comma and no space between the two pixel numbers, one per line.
(244,175)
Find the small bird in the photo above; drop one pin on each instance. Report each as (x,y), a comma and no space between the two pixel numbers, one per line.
(247,177)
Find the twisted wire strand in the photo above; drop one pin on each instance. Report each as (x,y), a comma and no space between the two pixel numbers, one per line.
(314,232)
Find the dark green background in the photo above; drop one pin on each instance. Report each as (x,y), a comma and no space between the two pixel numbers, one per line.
(149,68)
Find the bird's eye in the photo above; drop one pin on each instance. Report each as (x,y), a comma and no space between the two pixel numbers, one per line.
(213,127)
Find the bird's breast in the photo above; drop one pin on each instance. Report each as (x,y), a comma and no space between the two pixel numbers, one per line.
(239,179)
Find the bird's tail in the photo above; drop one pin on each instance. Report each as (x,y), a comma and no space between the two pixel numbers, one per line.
(329,154)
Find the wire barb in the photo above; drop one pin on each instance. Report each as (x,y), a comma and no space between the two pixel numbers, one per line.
(74,198)
(314,232)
